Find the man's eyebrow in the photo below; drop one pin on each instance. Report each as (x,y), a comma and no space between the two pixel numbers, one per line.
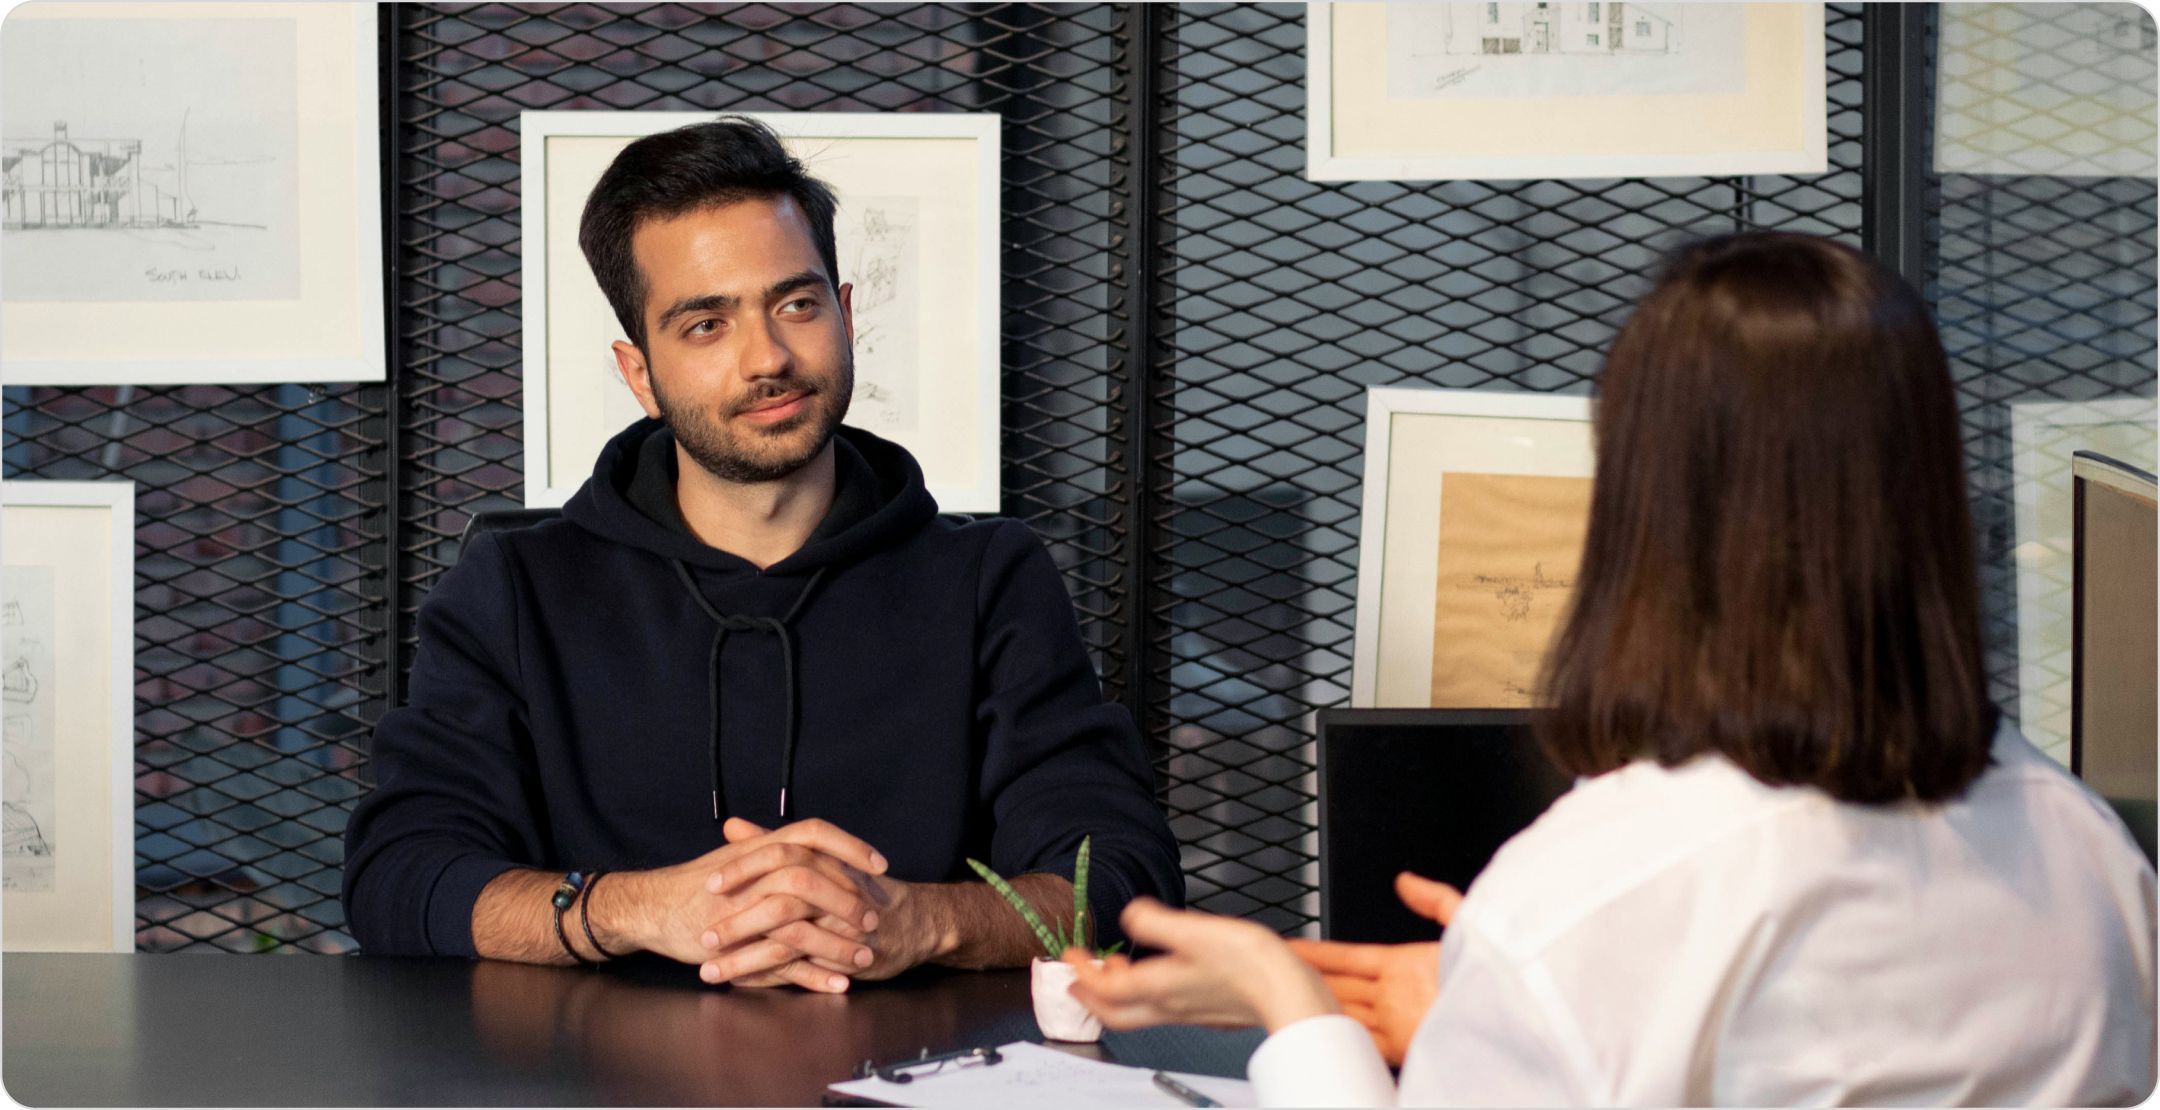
(791,283)
(710,302)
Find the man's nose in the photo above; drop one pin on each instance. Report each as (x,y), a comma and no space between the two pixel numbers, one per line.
(765,353)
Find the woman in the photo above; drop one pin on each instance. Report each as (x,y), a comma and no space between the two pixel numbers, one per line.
(1805,864)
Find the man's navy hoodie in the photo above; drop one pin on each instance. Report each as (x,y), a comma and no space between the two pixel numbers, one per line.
(601,691)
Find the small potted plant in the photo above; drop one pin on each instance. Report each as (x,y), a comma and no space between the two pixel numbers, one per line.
(1060,1015)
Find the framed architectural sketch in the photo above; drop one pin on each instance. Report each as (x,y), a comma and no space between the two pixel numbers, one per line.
(212,216)
(67,716)
(917,233)
(2043,436)
(1475,506)
(1430,90)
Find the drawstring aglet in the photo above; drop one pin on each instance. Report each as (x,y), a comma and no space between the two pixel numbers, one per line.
(783,803)
(716,805)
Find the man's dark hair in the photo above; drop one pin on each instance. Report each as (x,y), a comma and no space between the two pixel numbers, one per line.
(1779,566)
(662,176)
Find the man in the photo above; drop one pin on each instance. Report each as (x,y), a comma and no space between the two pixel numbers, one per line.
(751,677)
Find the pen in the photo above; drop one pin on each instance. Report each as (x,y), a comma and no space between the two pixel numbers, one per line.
(1185,1094)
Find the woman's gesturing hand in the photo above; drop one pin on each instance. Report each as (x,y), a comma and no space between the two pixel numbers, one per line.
(1213,971)
(1387,987)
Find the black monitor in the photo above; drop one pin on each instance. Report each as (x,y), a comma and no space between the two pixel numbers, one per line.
(2112,607)
(1435,791)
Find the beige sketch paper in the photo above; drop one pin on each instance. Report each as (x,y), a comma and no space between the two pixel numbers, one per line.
(60,767)
(1421,92)
(909,215)
(2066,90)
(1423,450)
(325,324)
(1509,547)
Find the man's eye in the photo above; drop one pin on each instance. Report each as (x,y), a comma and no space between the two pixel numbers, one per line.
(799,304)
(703,327)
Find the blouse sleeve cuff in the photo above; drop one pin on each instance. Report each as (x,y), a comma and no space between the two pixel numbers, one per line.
(1327,1060)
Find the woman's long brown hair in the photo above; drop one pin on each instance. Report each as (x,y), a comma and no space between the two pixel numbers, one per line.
(1779,565)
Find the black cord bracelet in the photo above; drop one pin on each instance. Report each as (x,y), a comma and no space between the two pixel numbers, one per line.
(584,915)
(565,894)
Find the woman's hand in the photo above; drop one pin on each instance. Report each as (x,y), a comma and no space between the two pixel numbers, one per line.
(1213,971)
(1387,987)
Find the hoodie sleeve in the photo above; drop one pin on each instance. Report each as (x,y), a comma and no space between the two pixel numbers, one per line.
(1060,763)
(455,798)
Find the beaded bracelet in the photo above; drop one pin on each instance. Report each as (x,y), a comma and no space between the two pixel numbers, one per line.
(572,884)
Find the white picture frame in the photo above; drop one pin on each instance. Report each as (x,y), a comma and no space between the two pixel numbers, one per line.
(235,236)
(943,167)
(2043,437)
(69,548)
(1755,106)
(1414,437)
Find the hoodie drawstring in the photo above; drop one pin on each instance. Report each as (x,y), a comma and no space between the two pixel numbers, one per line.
(727,623)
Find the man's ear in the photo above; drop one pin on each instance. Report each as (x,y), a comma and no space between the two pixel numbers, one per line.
(635,374)
(846,295)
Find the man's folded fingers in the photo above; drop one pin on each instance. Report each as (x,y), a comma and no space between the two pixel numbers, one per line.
(763,916)
(810,940)
(837,897)
(746,960)
(840,927)
(759,861)
(811,978)
(830,839)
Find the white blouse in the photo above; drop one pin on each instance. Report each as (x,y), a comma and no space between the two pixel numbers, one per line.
(1694,937)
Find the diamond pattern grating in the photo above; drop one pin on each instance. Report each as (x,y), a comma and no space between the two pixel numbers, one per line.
(1202,499)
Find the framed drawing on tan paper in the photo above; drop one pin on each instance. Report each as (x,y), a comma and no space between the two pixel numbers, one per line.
(1475,504)
(67,692)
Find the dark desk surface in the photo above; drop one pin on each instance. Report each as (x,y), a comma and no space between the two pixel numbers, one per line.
(176,1030)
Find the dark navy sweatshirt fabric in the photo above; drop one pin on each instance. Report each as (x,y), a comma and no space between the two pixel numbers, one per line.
(564,710)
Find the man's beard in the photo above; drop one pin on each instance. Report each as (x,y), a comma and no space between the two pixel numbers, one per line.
(765,453)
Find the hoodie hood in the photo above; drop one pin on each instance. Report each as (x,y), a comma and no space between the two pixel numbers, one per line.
(880,499)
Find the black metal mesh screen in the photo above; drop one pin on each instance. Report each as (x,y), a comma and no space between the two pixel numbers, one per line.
(1285,300)
(1189,326)
(258,639)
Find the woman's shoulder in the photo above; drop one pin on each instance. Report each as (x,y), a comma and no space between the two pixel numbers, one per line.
(1619,832)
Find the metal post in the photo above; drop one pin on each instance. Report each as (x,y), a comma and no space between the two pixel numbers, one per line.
(1895,137)
(389,22)
(1133,248)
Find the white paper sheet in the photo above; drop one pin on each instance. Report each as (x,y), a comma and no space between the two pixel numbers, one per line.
(1032,1075)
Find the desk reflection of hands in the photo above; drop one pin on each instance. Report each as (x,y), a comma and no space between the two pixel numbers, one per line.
(643,1036)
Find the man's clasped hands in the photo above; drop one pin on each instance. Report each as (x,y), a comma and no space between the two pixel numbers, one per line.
(809,904)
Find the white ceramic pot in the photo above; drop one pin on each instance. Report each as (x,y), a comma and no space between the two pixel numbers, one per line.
(1060,1015)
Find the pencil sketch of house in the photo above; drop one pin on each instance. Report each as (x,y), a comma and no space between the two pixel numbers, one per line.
(1560,28)
(58,181)
(166,170)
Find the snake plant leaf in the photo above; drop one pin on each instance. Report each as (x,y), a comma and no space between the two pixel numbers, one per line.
(1080,893)
(1027,912)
